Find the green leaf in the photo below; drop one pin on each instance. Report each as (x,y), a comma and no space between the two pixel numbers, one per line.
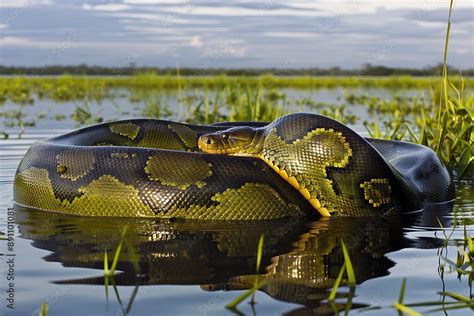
(458,297)
(402,291)
(241,298)
(332,295)
(405,309)
(349,268)
(44,309)
(260,251)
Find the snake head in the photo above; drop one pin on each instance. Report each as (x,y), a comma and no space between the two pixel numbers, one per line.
(241,140)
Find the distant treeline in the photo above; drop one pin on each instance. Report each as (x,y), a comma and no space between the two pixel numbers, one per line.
(366,70)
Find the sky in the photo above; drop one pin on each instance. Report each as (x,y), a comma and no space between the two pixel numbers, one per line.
(235,33)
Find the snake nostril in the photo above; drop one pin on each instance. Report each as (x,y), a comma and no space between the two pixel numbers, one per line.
(209,141)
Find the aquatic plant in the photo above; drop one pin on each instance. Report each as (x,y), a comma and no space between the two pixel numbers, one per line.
(109,274)
(21,89)
(43,309)
(257,284)
(445,125)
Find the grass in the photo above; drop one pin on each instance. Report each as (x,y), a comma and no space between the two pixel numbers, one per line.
(349,270)
(43,309)
(445,125)
(21,89)
(109,274)
(442,120)
(257,285)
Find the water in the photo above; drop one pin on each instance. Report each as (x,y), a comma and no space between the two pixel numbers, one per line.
(183,266)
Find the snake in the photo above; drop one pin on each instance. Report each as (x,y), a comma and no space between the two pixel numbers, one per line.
(301,164)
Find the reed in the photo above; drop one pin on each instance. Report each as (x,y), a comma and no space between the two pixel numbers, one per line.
(257,284)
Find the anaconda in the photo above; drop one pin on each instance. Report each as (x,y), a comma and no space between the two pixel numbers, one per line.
(298,165)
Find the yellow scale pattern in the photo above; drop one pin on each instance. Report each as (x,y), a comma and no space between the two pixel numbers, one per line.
(74,165)
(192,170)
(129,130)
(252,201)
(105,196)
(187,135)
(318,149)
(161,136)
(377,191)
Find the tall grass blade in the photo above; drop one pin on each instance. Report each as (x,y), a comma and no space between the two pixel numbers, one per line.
(133,256)
(458,297)
(44,309)
(132,299)
(407,310)
(118,250)
(241,298)
(260,251)
(349,268)
(106,275)
(332,295)
(402,291)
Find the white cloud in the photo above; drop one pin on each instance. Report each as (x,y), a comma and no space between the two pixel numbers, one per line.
(163,19)
(15,41)
(240,11)
(196,42)
(111,7)
(340,32)
(366,6)
(23,3)
(298,35)
(156,1)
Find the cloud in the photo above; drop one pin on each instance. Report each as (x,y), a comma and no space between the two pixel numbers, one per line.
(106,7)
(290,35)
(158,2)
(196,42)
(24,3)
(14,41)
(237,33)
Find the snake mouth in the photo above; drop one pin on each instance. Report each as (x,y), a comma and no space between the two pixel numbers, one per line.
(233,141)
(211,144)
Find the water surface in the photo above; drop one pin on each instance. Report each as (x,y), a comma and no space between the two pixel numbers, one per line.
(185,267)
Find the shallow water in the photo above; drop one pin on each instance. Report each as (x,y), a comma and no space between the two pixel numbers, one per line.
(184,266)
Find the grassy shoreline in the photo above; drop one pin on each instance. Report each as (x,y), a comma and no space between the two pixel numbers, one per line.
(154,81)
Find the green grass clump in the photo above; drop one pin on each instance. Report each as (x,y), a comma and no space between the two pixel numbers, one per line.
(445,124)
(21,89)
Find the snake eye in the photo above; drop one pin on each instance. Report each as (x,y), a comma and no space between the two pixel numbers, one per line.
(225,135)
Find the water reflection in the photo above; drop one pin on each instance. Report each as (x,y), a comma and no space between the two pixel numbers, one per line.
(300,260)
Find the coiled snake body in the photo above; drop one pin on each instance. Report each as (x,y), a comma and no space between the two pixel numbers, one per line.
(298,165)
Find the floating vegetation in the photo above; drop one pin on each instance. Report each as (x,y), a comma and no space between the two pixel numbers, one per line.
(84,115)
